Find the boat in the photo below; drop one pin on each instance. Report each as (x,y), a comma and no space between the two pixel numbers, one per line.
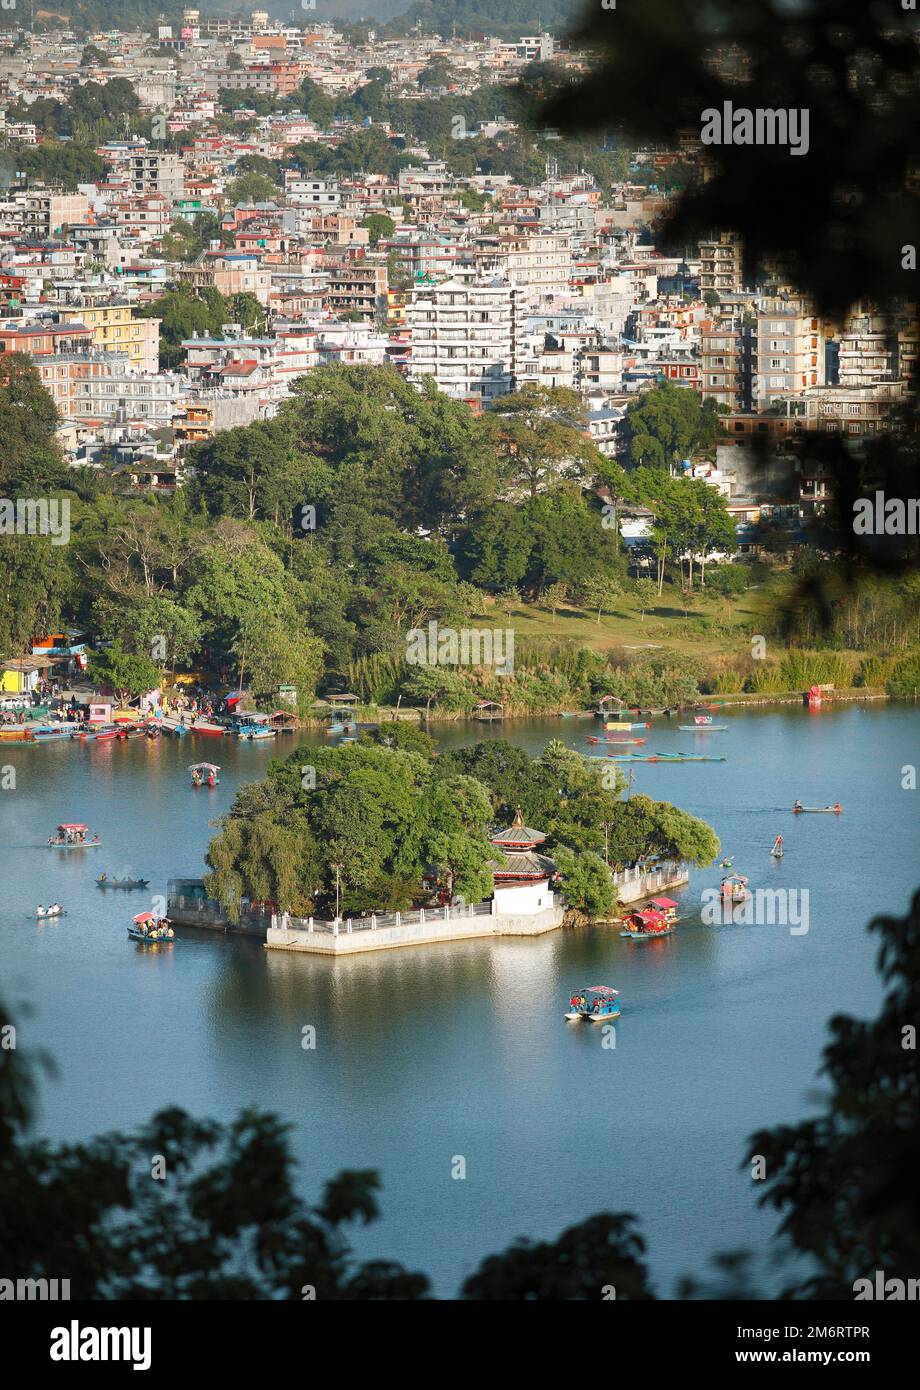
(16,733)
(168,725)
(102,733)
(206,726)
(49,733)
(702,728)
(69,837)
(623,742)
(205,774)
(667,907)
(252,731)
(151,938)
(735,888)
(128,883)
(834,810)
(141,929)
(55,910)
(599,1003)
(646,924)
(665,758)
(624,727)
(777,851)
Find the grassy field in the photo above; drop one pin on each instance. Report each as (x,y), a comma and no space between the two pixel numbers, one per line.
(713,627)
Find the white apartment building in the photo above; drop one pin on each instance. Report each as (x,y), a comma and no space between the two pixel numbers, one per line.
(787,353)
(464,334)
(538,262)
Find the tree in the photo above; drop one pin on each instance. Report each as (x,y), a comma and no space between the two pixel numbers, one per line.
(251,188)
(669,424)
(646,593)
(126,673)
(586,883)
(555,596)
(601,592)
(378,225)
(539,434)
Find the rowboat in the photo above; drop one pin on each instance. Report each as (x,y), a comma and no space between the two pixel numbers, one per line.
(102,734)
(168,725)
(702,728)
(665,758)
(834,810)
(127,883)
(250,732)
(600,1003)
(623,742)
(207,726)
(624,727)
(50,912)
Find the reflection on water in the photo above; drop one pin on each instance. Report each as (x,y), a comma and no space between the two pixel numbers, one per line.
(424,1054)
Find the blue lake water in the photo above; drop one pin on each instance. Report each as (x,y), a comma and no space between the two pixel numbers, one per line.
(428,1054)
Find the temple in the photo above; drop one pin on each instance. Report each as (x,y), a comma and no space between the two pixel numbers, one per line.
(522,876)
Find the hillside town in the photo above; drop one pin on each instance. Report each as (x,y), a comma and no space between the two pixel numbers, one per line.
(481,281)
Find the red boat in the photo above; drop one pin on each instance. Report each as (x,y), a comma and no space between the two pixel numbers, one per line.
(646,924)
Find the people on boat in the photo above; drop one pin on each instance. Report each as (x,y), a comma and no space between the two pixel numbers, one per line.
(798,806)
(103,878)
(837,807)
(40,910)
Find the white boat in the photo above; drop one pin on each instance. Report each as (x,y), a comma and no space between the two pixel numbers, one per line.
(53,911)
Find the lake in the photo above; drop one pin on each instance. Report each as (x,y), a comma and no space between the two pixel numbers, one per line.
(430,1054)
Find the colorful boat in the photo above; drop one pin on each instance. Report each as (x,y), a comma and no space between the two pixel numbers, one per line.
(205,774)
(619,740)
(667,907)
(51,733)
(73,836)
(142,930)
(646,924)
(599,1003)
(735,888)
(702,728)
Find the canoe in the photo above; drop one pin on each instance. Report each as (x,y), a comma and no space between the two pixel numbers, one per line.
(136,935)
(702,728)
(817,810)
(53,915)
(123,883)
(622,742)
(206,726)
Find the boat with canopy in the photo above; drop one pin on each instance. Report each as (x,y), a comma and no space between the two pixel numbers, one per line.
(103,881)
(205,774)
(647,924)
(149,928)
(72,835)
(597,1003)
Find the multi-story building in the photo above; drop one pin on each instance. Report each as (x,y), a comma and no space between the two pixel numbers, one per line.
(464,335)
(44,213)
(786,350)
(116,327)
(721,264)
(158,171)
(358,287)
(722,365)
